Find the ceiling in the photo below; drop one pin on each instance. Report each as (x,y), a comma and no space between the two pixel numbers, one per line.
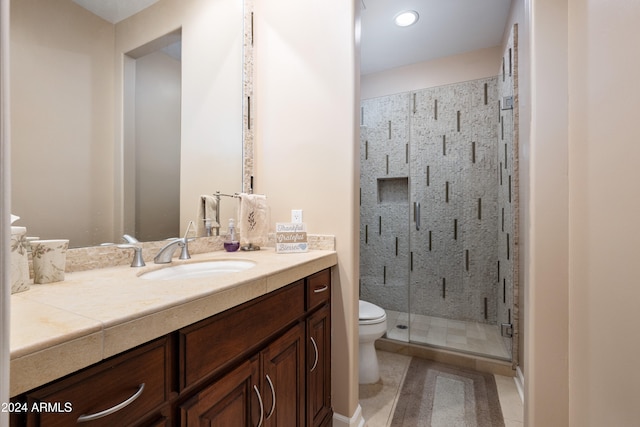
(445,28)
(115,11)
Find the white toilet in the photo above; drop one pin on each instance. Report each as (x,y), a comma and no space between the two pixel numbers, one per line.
(373,325)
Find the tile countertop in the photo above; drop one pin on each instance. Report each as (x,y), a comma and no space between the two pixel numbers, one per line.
(59,328)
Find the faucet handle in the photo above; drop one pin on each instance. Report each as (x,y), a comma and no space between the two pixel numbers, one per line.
(138,261)
(186,233)
(184,253)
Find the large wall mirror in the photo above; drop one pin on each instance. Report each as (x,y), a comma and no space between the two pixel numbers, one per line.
(120,127)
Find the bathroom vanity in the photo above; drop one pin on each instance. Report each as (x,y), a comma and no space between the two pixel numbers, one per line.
(263,361)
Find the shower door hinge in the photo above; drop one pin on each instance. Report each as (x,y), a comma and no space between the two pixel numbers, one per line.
(507,103)
(506,330)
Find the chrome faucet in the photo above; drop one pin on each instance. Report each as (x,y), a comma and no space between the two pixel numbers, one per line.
(165,254)
(133,243)
(137,261)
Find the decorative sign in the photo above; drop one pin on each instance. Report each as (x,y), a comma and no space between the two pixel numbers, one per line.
(291,238)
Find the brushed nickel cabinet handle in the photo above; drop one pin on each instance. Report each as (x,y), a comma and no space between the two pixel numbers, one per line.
(315,350)
(322,289)
(273,395)
(255,388)
(113,409)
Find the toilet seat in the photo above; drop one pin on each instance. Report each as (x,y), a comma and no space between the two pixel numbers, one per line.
(370,314)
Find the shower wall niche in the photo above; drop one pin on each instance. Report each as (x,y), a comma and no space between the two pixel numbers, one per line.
(431,174)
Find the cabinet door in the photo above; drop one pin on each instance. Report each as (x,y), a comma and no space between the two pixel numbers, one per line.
(233,400)
(319,366)
(283,379)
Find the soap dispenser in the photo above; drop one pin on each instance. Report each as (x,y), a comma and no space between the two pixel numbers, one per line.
(231,244)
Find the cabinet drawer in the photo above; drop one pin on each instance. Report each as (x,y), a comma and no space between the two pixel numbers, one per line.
(123,390)
(208,346)
(318,289)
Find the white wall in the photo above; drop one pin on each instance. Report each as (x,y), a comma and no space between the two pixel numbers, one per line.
(306,154)
(546,321)
(582,326)
(62,115)
(582,339)
(604,208)
(452,69)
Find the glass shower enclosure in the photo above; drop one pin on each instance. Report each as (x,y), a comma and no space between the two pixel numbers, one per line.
(438,214)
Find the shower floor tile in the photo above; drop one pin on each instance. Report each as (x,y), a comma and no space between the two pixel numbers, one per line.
(477,338)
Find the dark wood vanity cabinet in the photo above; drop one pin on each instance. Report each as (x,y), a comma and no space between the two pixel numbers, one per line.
(267,390)
(288,333)
(270,329)
(265,362)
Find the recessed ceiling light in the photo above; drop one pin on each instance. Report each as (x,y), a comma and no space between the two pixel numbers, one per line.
(406,18)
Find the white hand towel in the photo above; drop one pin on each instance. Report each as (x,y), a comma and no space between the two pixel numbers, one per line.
(254,219)
(207,206)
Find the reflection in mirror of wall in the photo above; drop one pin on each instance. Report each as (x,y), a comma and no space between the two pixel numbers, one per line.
(151,84)
(68,109)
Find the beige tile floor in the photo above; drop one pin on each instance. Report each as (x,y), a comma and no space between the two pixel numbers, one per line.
(378,400)
(471,337)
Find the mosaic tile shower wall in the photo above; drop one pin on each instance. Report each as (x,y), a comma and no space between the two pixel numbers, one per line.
(429,201)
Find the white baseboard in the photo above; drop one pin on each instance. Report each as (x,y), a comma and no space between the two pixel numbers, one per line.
(356,419)
(519,380)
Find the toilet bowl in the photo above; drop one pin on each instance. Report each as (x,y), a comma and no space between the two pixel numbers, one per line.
(372,325)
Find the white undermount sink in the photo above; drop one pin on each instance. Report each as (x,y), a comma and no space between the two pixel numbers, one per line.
(199,269)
